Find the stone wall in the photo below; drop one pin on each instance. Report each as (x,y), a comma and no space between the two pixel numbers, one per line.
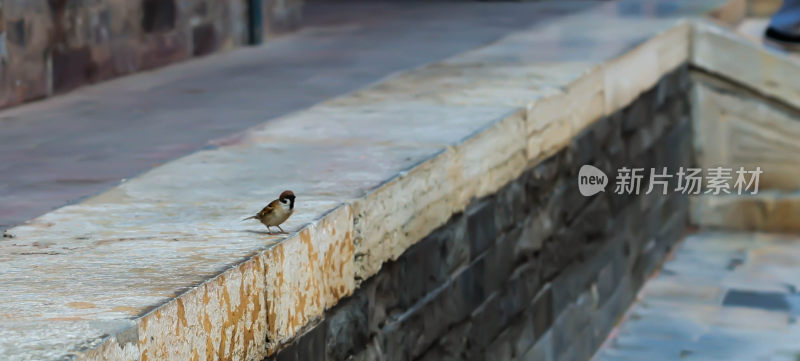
(52,46)
(534,272)
(737,127)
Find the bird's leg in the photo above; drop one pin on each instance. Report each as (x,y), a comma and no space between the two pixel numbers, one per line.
(269,231)
(282,231)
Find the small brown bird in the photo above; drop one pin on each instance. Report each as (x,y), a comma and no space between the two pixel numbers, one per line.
(276,212)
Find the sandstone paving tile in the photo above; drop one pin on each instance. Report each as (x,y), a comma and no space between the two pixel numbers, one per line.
(430,123)
(752,315)
(678,290)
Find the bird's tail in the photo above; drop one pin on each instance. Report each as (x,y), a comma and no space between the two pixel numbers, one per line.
(248,218)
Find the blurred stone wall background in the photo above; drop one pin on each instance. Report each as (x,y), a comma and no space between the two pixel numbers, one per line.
(52,46)
(763,7)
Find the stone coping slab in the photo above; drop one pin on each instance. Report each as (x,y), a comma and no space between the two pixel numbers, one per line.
(748,120)
(744,60)
(161,268)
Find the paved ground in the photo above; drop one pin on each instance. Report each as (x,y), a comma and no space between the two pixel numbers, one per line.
(63,149)
(724,296)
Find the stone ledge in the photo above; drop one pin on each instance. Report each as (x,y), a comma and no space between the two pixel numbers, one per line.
(161,268)
(747,125)
(727,54)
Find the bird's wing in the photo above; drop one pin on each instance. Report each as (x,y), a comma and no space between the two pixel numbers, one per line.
(271,207)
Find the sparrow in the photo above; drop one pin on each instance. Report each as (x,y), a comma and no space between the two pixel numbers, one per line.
(276,212)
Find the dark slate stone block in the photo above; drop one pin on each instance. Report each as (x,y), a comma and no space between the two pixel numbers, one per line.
(593,222)
(510,205)
(606,284)
(535,230)
(525,283)
(497,314)
(556,206)
(502,348)
(524,332)
(610,275)
(580,348)
(663,91)
(571,323)
(541,179)
(640,141)
(422,270)
(770,301)
(637,114)
(436,353)
(397,339)
(676,204)
(649,259)
(489,319)
(408,336)
(600,132)
(347,327)
(454,244)
(541,351)
(481,228)
(371,353)
(684,79)
(573,201)
(569,284)
(565,247)
(542,311)
(605,318)
(678,142)
(580,276)
(468,290)
(385,295)
(499,262)
(310,346)
(616,202)
(455,344)
(674,84)
(581,150)
(613,141)
(672,231)
(678,108)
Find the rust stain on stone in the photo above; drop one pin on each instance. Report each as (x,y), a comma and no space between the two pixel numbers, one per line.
(207,325)
(274,258)
(126,309)
(181,313)
(228,322)
(81,305)
(70,318)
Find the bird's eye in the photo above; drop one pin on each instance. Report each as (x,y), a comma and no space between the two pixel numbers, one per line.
(283,200)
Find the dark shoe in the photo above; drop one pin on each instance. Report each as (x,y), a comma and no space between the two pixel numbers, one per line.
(782,37)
